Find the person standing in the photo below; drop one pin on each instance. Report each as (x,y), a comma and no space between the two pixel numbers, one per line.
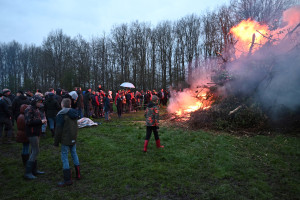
(5,118)
(33,126)
(66,134)
(17,102)
(79,102)
(106,107)
(87,103)
(119,104)
(152,122)
(8,99)
(21,135)
(51,108)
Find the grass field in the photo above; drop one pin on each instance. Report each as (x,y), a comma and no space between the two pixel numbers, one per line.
(193,165)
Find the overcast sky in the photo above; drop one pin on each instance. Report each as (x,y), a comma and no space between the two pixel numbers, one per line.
(30,21)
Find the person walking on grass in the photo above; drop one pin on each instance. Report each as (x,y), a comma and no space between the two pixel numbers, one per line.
(33,127)
(152,122)
(66,134)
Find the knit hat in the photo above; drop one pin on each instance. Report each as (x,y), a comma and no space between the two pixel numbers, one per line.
(5,91)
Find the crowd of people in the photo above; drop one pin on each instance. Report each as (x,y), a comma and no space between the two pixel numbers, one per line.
(59,110)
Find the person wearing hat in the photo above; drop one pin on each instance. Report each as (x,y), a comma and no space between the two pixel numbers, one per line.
(152,122)
(8,97)
(33,127)
(5,118)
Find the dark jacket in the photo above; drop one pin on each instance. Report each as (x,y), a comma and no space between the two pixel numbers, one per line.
(51,107)
(87,99)
(66,127)
(16,105)
(119,102)
(4,112)
(33,121)
(79,100)
(106,104)
(152,115)
(21,135)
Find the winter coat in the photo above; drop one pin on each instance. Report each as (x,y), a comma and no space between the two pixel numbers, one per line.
(87,99)
(106,104)
(16,104)
(33,121)
(51,107)
(79,100)
(66,127)
(152,115)
(21,135)
(119,102)
(4,112)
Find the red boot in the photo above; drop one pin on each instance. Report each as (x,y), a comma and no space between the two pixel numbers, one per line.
(145,145)
(158,144)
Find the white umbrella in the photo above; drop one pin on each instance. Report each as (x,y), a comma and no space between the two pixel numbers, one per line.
(127,85)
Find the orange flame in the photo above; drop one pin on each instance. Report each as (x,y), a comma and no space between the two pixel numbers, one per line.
(190,103)
(244,31)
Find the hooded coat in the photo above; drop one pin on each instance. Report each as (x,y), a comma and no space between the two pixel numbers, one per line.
(21,135)
(16,104)
(66,127)
(33,121)
(152,114)
(51,106)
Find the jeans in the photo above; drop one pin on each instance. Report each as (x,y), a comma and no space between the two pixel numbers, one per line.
(44,126)
(106,115)
(35,149)
(51,122)
(64,155)
(79,110)
(25,149)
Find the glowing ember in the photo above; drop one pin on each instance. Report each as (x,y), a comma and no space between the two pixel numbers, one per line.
(244,33)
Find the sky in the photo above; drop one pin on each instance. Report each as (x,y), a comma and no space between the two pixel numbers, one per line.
(30,21)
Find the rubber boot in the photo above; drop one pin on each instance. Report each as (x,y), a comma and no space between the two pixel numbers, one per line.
(67,178)
(158,144)
(25,158)
(28,171)
(145,145)
(35,171)
(77,171)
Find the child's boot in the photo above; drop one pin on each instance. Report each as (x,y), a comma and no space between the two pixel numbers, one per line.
(145,145)
(158,144)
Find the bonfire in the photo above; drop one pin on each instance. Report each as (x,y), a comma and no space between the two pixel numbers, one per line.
(263,61)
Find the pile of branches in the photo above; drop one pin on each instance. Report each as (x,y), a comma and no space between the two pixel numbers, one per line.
(230,114)
(246,111)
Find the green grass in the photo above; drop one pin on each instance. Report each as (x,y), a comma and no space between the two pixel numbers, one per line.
(193,165)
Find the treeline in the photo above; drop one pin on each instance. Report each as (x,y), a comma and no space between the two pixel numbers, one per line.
(149,57)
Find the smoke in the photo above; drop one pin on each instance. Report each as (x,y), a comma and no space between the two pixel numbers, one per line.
(272,74)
